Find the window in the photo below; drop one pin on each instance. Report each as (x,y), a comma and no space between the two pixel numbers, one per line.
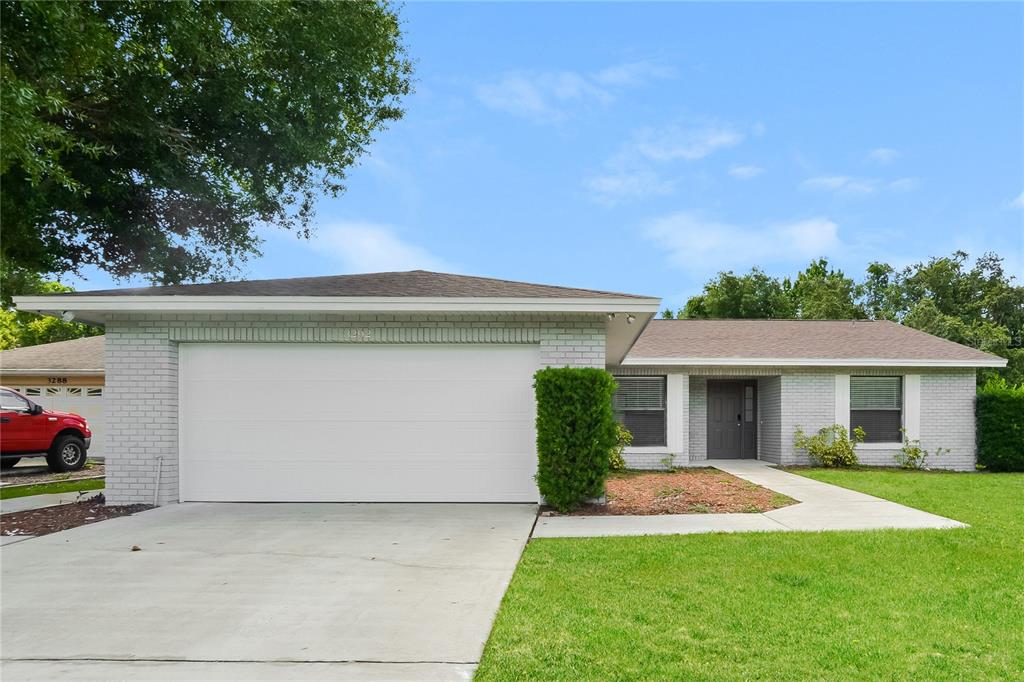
(52,391)
(72,390)
(94,392)
(12,402)
(748,404)
(876,405)
(33,392)
(639,405)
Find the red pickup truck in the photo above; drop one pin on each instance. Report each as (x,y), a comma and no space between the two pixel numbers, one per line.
(27,430)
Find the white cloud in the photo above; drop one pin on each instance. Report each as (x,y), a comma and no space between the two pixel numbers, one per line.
(745,172)
(883,155)
(677,142)
(546,96)
(372,247)
(905,184)
(633,74)
(1018,202)
(841,184)
(618,186)
(695,244)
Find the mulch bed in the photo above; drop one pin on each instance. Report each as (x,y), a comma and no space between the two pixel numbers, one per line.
(685,491)
(64,516)
(42,475)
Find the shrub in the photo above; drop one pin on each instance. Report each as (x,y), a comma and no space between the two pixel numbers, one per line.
(831,446)
(912,455)
(616,462)
(999,409)
(575,434)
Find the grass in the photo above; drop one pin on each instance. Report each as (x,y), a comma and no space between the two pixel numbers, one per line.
(897,605)
(8,493)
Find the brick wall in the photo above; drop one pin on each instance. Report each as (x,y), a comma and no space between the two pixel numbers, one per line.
(769,427)
(142,369)
(698,435)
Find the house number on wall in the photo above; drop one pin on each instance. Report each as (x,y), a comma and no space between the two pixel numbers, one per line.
(57,380)
(360,334)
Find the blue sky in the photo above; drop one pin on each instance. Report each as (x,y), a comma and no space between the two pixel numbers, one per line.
(642,148)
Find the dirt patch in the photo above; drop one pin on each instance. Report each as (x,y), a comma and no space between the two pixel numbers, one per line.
(64,516)
(686,491)
(24,475)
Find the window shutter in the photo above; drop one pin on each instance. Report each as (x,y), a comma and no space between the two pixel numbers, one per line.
(876,393)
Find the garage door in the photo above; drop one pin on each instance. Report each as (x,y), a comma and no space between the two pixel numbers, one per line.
(357,423)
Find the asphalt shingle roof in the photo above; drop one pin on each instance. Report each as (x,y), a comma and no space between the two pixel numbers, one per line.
(77,354)
(793,339)
(379,284)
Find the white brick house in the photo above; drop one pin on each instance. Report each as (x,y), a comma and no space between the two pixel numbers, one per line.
(418,386)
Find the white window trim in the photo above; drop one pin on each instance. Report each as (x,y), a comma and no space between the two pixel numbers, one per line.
(911,409)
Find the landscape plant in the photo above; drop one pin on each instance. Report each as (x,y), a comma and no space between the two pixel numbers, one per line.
(576,432)
(616,462)
(831,446)
(999,411)
(912,455)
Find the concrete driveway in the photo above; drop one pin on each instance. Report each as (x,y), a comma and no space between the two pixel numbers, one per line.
(342,591)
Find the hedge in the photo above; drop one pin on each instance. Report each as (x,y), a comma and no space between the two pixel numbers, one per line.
(1000,418)
(575,433)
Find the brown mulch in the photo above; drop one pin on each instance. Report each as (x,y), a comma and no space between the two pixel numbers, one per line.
(19,476)
(685,491)
(64,516)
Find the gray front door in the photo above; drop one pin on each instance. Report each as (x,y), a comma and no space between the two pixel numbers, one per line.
(732,419)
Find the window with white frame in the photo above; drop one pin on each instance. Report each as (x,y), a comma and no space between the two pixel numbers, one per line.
(876,405)
(639,405)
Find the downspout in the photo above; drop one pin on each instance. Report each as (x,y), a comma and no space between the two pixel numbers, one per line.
(156,487)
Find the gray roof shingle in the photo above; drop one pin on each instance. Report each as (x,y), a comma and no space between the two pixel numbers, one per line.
(378,284)
(77,354)
(795,339)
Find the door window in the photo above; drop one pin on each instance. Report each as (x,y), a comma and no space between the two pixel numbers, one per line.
(12,402)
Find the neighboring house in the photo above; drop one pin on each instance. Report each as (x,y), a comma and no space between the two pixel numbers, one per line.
(417,386)
(67,376)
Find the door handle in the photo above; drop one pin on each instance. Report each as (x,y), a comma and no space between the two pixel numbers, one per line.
(5,420)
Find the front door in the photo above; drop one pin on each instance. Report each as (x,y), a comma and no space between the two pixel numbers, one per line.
(732,419)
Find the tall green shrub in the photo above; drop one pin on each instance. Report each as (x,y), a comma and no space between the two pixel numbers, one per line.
(1000,421)
(575,433)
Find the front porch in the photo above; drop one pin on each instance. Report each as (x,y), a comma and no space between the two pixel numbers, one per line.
(681,419)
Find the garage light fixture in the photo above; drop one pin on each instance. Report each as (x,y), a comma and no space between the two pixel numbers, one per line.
(630,319)
(67,316)
(611,316)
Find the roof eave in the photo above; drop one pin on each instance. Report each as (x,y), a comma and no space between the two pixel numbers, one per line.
(7,371)
(55,305)
(812,362)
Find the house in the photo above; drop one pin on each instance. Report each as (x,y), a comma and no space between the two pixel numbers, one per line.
(417,386)
(67,376)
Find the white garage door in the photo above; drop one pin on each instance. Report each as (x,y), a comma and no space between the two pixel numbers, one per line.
(86,401)
(357,423)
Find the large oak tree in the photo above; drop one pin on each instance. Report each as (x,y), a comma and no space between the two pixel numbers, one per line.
(153,138)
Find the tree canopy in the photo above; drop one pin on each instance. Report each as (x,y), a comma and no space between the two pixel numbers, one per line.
(19,329)
(978,305)
(153,138)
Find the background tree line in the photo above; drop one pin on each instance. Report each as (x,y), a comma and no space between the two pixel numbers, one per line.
(977,305)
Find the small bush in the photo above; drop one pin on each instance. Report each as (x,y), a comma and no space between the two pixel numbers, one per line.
(575,434)
(831,446)
(999,409)
(616,462)
(912,455)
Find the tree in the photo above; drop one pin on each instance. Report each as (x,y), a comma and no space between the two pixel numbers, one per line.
(19,329)
(153,138)
(821,293)
(754,295)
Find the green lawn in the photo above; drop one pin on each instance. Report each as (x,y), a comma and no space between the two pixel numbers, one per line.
(896,605)
(48,488)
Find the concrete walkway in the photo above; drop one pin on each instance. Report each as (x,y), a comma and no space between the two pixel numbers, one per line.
(17,504)
(822,507)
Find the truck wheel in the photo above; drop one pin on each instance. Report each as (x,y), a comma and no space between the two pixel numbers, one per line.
(9,462)
(67,454)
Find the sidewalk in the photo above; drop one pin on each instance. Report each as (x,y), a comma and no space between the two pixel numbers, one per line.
(17,504)
(822,507)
